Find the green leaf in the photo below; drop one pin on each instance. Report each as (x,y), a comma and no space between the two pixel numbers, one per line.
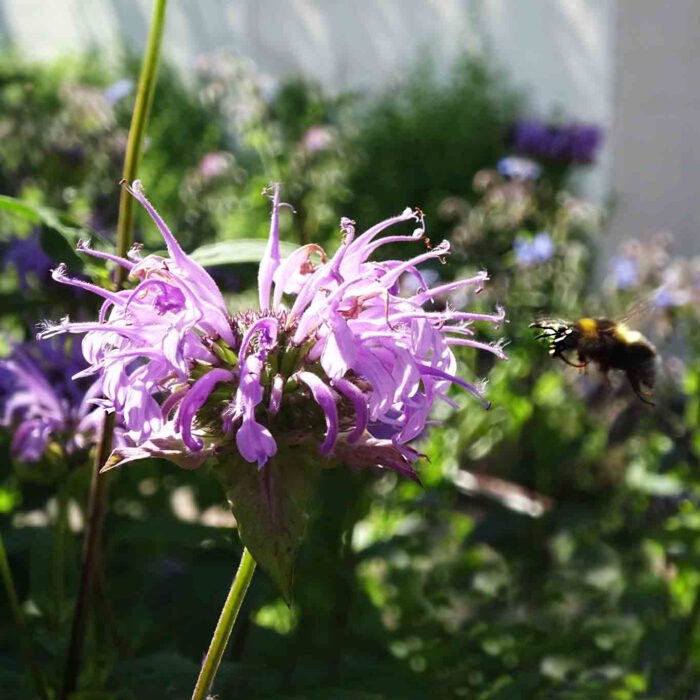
(19,208)
(242,250)
(270,506)
(51,221)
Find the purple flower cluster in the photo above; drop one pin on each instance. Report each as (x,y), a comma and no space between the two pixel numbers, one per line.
(565,143)
(191,380)
(28,258)
(42,404)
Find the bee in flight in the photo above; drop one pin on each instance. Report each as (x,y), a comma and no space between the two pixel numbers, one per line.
(607,344)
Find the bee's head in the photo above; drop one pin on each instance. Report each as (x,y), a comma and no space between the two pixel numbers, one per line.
(560,335)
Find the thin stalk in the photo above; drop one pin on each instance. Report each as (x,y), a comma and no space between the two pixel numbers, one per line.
(20,624)
(91,544)
(137,131)
(107,612)
(229,612)
(59,552)
(97,497)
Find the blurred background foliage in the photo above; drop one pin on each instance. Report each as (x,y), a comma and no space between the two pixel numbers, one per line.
(553,549)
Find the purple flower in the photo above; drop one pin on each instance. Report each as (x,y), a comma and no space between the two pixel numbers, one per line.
(535,251)
(316,138)
(568,143)
(625,271)
(332,357)
(214,164)
(42,404)
(518,168)
(28,258)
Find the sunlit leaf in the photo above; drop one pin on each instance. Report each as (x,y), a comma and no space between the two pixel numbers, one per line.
(52,222)
(271,507)
(244,250)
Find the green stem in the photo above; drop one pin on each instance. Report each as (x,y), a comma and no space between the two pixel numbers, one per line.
(91,545)
(59,551)
(233,603)
(137,131)
(97,496)
(20,624)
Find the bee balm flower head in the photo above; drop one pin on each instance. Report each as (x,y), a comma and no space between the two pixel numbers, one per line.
(334,357)
(43,406)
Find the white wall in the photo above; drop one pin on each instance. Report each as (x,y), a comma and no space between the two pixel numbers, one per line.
(560,51)
(656,136)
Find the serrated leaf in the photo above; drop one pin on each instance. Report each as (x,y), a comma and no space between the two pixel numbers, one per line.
(242,250)
(271,507)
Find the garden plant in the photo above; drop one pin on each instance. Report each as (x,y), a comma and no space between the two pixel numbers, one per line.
(267,327)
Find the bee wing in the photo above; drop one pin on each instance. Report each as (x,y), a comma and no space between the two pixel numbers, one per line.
(639,309)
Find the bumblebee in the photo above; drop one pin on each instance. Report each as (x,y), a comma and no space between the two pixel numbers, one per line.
(608,345)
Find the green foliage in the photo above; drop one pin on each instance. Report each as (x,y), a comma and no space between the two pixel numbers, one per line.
(553,550)
(235,252)
(425,137)
(51,221)
(271,507)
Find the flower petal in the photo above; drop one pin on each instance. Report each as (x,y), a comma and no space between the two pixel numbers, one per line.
(255,442)
(325,399)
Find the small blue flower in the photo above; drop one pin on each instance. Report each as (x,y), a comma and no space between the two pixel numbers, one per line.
(535,251)
(672,293)
(118,90)
(663,298)
(543,246)
(518,168)
(625,271)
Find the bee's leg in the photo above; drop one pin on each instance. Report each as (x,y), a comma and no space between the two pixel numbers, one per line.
(637,389)
(580,365)
(583,361)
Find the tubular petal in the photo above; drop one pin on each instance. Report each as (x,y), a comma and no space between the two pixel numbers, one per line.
(325,399)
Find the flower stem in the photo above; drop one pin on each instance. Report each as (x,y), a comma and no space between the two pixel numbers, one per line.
(59,551)
(137,130)
(97,496)
(91,544)
(233,603)
(20,624)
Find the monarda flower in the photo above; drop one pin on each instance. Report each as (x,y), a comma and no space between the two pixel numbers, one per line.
(334,363)
(50,415)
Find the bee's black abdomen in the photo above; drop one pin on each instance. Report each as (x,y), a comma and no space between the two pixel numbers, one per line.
(643,362)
